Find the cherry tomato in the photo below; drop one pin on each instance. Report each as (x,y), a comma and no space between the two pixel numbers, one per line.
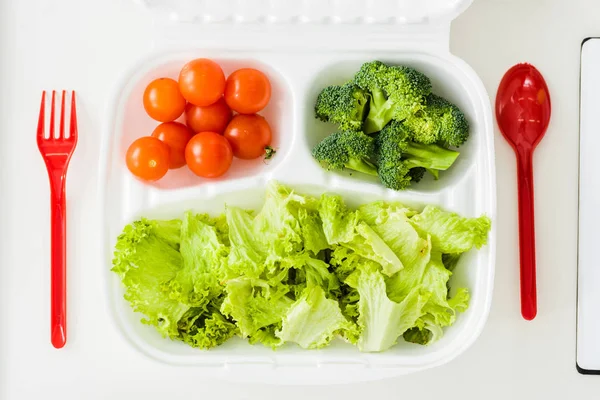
(201,82)
(148,158)
(163,101)
(176,136)
(247,91)
(208,154)
(249,136)
(213,118)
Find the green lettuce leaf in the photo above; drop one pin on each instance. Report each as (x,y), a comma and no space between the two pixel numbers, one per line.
(381,321)
(369,244)
(391,222)
(345,261)
(339,223)
(311,227)
(310,272)
(313,320)
(253,304)
(266,336)
(451,233)
(439,311)
(258,242)
(247,255)
(208,331)
(425,332)
(400,285)
(142,236)
(450,261)
(204,258)
(147,259)
(198,283)
(276,225)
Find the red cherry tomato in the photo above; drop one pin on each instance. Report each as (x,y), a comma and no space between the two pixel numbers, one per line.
(208,154)
(247,91)
(202,82)
(249,136)
(176,136)
(148,158)
(163,101)
(213,118)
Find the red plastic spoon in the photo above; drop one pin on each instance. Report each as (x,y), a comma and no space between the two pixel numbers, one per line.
(523,114)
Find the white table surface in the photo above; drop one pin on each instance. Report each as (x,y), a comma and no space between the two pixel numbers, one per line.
(85,44)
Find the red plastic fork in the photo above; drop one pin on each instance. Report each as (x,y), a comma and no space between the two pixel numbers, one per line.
(57,152)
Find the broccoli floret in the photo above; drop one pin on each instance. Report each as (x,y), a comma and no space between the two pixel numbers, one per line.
(401,161)
(416,174)
(454,125)
(390,145)
(344,105)
(439,122)
(352,150)
(397,92)
(429,156)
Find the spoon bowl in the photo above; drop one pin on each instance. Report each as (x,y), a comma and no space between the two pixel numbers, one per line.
(523,106)
(523,114)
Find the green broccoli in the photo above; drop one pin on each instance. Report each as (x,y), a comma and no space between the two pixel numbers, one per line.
(350,149)
(432,157)
(416,174)
(396,92)
(344,105)
(392,171)
(438,122)
(401,161)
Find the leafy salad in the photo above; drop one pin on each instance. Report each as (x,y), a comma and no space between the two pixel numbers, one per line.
(303,270)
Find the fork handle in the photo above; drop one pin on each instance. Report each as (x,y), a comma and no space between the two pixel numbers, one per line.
(58,267)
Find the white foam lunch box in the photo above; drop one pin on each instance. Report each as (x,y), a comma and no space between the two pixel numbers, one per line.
(303,46)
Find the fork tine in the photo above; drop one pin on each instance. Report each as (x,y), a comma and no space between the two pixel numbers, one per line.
(52,116)
(61,133)
(73,127)
(41,120)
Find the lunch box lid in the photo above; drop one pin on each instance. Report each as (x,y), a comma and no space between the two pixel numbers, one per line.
(314,24)
(391,12)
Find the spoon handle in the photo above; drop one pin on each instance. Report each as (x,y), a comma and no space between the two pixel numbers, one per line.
(526,232)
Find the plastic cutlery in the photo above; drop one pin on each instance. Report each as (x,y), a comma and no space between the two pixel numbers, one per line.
(523,113)
(57,151)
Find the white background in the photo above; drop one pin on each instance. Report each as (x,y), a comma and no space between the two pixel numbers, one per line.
(86,45)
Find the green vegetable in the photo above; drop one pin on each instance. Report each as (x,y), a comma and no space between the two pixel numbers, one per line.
(313,320)
(397,156)
(351,150)
(451,233)
(391,221)
(396,93)
(451,260)
(380,319)
(369,245)
(414,127)
(339,223)
(301,270)
(209,331)
(344,105)
(439,311)
(147,259)
(171,273)
(438,122)
(254,304)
